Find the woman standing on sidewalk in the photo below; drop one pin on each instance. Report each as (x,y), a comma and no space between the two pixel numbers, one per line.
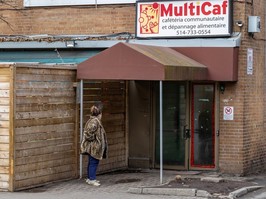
(94,143)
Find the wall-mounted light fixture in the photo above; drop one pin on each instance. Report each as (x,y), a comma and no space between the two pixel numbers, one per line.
(70,44)
(222,88)
(239,23)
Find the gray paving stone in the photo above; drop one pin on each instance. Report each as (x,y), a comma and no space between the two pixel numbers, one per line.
(212,179)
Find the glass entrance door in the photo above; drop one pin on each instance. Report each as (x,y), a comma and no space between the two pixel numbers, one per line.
(188,126)
(202,153)
(174,121)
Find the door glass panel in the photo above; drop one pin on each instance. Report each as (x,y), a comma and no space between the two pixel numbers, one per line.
(174,119)
(202,137)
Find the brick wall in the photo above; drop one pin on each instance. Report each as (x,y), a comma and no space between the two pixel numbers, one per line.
(69,20)
(254,136)
(242,148)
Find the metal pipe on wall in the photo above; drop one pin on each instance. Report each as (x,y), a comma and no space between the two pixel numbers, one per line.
(161,132)
(81,125)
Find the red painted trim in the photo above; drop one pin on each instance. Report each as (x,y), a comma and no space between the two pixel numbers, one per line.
(192,162)
(192,127)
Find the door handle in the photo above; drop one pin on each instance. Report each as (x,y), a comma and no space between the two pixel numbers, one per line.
(218,133)
(186,132)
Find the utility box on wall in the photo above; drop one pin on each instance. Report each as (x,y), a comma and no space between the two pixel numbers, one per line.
(253,24)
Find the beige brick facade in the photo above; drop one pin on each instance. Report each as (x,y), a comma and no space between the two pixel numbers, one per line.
(242,148)
(69,20)
(242,141)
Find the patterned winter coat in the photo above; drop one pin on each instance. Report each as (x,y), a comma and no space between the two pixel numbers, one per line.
(94,141)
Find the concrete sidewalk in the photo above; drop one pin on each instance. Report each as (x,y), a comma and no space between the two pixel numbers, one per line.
(129,185)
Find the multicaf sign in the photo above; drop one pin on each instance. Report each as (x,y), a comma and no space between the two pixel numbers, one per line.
(183,18)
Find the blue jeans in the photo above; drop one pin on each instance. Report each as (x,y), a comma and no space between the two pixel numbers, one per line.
(92,168)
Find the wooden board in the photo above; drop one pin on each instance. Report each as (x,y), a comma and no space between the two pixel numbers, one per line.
(5,77)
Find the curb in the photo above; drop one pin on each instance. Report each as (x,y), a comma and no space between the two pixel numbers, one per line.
(243,191)
(190,192)
(170,191)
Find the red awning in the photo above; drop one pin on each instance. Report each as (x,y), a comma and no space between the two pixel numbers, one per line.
(125,61)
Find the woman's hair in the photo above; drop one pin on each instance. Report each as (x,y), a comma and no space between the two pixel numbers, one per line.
(96,109)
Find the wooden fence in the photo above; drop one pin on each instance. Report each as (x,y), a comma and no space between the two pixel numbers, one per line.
(39,124)
(113,95)
(44,133)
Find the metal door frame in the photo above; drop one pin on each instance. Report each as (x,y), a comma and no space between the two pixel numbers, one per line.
(215,127)
(187,165)
(187,141)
